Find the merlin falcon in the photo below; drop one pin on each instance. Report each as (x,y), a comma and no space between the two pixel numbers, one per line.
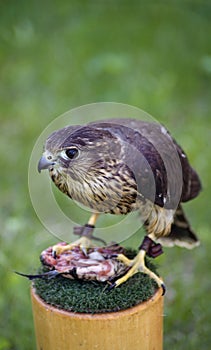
(118,166)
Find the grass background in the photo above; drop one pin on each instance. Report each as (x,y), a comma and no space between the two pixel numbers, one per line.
(56,55)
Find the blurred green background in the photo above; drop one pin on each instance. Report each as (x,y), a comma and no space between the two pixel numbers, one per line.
(57,55)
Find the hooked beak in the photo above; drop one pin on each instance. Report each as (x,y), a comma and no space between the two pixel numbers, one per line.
(44,163)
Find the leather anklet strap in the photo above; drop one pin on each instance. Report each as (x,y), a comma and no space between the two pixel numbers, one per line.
(152,249)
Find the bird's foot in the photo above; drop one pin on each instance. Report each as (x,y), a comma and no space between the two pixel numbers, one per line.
(137,265)
(84,243)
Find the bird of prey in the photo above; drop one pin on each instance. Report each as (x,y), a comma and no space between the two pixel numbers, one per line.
(121,165)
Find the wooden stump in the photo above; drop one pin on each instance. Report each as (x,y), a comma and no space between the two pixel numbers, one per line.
(139,327)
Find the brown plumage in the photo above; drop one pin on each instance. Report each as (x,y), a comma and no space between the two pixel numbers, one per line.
(120,165)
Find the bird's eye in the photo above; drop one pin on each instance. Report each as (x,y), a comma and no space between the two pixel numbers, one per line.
(71,152)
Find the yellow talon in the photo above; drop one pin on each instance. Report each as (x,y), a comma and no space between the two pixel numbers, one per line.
(137,265)
(84,243)
(125,260)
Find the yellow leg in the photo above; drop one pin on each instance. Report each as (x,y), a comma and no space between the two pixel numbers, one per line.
(84,242)
(137,265)
(93,219)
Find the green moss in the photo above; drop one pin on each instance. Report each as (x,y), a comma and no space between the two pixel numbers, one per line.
(94,297)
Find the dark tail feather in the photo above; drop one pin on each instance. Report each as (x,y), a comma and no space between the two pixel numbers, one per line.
(181,233)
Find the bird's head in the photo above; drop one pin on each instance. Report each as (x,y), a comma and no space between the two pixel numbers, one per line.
(80,157)
(74,149)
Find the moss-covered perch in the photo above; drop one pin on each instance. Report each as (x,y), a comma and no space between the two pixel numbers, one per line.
(77,314)
(92,296)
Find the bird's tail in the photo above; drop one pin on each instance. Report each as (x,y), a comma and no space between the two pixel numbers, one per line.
(181,233)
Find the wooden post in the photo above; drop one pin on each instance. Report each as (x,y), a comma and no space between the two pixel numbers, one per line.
(139,327)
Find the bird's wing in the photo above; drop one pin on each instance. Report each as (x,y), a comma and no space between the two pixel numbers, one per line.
(159,165)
